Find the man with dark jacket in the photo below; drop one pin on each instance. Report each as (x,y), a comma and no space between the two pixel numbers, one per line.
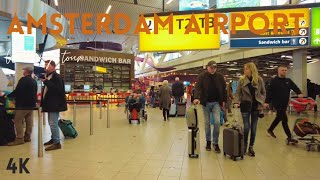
(177,90)
(53,101)
(211,92)
(25,96)
(278,93)
(312,92)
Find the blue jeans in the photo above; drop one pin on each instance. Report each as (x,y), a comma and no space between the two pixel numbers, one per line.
(214,108)
(53,118)
(247,126)
(152,101)
(176,101)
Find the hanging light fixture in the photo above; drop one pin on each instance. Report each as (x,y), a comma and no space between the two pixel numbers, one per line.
(169,1)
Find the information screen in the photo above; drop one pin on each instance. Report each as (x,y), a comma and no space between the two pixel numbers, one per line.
(188,5)
(86,88)
(242,3)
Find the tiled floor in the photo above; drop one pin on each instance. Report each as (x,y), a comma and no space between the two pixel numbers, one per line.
(156,150)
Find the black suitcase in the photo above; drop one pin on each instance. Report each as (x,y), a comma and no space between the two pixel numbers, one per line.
(233,143)
(181,108)
(193,138)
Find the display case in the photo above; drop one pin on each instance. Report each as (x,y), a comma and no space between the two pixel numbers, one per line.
(78,74)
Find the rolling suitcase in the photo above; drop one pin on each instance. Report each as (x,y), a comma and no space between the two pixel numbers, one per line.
(233,143)
(193,134)
(181,108)
(67,128)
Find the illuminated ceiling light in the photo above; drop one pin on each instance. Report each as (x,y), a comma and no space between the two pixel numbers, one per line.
(56,3)
(313,61)
(169,1)
(108,10)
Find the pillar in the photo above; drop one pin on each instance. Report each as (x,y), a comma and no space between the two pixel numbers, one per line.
(299,71)
(19,71)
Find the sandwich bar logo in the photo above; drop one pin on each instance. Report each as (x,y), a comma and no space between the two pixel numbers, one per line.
(210,21)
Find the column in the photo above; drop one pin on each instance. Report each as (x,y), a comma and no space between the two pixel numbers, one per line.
(299,71)
(19,71)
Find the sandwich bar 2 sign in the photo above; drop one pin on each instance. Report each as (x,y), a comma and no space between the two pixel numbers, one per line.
(244,38)
(315,27)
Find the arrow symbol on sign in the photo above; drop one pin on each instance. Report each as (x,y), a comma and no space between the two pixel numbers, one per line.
(302,23)
(317,41)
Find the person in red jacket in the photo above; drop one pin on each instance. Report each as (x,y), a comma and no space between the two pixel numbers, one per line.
(139,86)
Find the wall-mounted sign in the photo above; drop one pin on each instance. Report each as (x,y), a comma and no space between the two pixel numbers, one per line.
(315,27)
(189,5)
(75,55)
(244,38)
(179,40)
(99,69)
(24,46)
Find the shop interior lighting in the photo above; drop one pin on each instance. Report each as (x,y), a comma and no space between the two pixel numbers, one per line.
(169,1)
(56,3)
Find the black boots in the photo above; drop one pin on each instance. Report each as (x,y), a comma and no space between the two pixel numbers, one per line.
(251,152)
(270,133)
(216,148)
(208,147)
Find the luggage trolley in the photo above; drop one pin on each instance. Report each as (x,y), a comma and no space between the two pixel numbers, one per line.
(307,132)
(302,104)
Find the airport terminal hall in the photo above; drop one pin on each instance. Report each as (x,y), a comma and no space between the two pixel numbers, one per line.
(159,89)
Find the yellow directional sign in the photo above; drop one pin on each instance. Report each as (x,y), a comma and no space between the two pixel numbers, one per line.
(178,40)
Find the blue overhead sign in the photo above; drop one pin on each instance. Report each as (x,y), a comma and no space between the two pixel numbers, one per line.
(270,42)
(245,38)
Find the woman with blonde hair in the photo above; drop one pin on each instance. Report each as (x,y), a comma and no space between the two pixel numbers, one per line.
(251,95)
(165,99)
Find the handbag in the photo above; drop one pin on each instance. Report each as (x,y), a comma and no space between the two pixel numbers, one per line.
(245,106)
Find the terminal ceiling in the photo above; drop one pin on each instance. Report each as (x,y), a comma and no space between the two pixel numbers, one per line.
(266,64)
(129,41)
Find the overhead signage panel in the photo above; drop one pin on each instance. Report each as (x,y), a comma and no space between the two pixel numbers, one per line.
(245,38)
(315,27)
(163,41)
(189,5)
(88,56)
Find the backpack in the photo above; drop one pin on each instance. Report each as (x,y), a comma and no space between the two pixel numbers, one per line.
(304,128)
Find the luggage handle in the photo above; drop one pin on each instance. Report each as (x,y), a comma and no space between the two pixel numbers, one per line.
(196,115)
